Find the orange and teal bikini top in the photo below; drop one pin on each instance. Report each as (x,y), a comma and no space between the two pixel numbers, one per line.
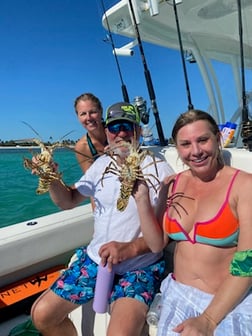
(222,230)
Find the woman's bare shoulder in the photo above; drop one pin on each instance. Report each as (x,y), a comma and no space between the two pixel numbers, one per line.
(172,177)
(244,180)
(242,175)
(83,154)
(82,146)
(169,178)
(82,141)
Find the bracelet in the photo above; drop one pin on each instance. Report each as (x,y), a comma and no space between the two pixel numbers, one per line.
(210,319)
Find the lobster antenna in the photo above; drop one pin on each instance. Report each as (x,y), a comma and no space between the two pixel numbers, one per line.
(24,122)
(163,141)
(123,86)
(66,134)
(190,105)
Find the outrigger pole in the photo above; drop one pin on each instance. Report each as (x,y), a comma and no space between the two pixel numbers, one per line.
(246,131)
(123,86)
(163,141)
(190,105)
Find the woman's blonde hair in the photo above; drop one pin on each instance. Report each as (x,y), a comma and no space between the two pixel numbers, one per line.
(191,116)
(89,96)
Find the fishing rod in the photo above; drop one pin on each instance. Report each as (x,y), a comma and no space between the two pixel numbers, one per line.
(190,105)
(244,98)
(163,141)
(123,86)
(246,131)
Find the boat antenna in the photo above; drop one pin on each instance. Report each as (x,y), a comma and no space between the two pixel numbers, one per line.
(190,105)
(246,131)
(123,86)
(163,141)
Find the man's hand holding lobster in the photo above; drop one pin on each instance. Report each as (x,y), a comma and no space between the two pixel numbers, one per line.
(45,168)
(35,160)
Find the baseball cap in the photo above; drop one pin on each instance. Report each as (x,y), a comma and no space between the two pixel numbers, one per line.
(122,111)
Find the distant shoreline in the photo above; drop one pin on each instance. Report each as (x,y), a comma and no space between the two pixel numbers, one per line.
(19,147)
(29,147)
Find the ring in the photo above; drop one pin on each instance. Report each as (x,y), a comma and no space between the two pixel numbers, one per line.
(110,258)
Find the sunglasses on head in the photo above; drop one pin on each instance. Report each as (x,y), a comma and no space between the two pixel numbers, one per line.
(116,128)
(118,114)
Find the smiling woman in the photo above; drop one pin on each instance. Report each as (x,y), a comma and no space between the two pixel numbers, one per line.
(205,209)
(89,112)
(194,147)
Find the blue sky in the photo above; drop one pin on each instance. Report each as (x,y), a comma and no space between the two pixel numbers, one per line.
(53,50)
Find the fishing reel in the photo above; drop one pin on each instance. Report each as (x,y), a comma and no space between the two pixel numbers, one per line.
(141,106)
(246,134)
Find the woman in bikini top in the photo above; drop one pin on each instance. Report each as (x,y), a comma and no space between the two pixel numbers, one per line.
(89,112)
(220,230)
(207,210)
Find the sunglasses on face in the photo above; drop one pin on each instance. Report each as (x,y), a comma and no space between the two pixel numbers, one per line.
(116,128)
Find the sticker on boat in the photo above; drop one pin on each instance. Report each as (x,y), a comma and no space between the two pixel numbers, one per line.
(29,286)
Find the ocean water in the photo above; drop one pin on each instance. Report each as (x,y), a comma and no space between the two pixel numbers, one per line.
(18,199)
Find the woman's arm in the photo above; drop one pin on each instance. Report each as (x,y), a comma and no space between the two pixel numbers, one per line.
(235,287)
(229,295)
(151,221)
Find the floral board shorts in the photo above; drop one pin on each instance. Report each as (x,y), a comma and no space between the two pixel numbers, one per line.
(77,283)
